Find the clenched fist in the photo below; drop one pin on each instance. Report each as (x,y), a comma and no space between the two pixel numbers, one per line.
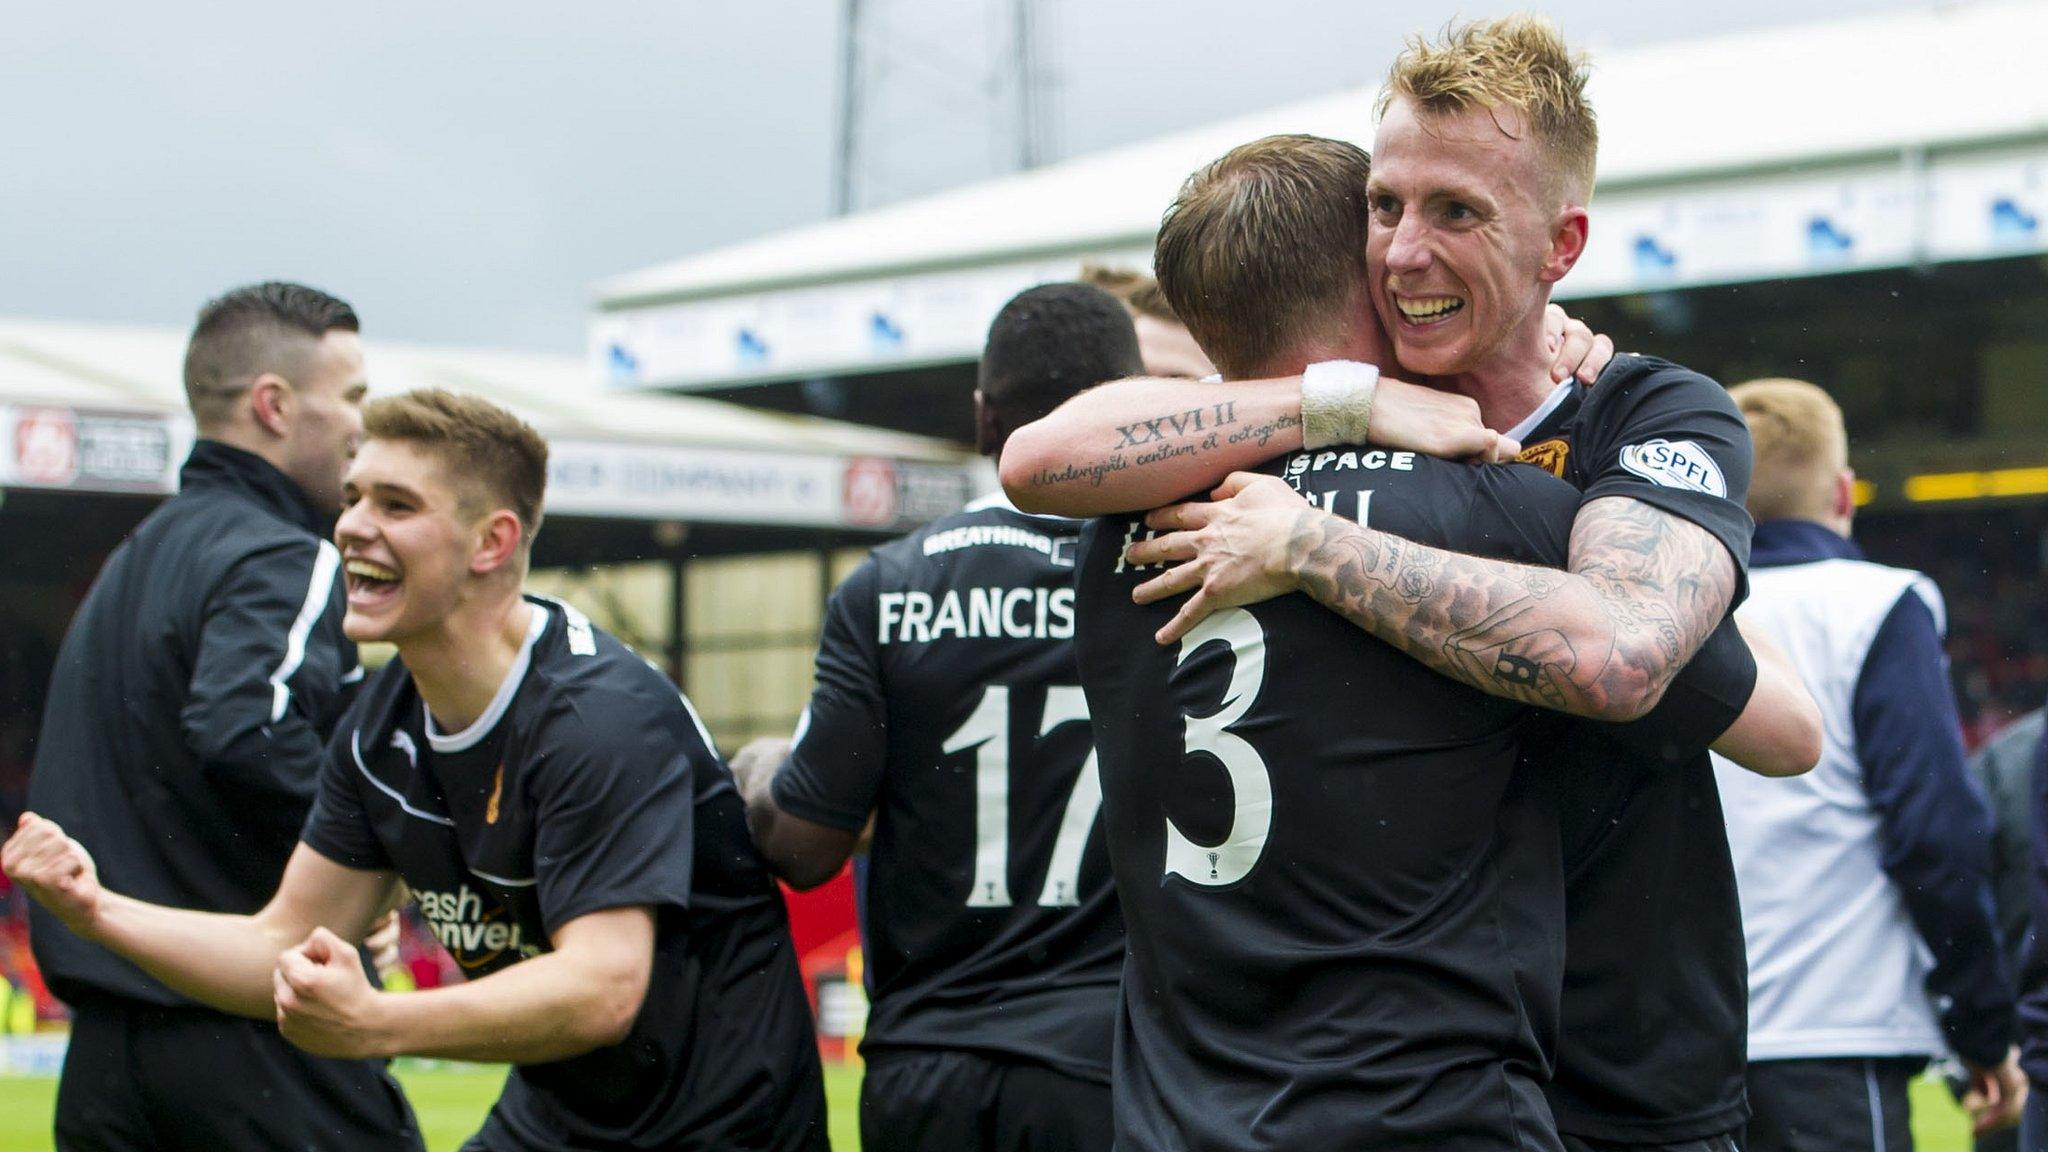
(55,870)
(325,1004)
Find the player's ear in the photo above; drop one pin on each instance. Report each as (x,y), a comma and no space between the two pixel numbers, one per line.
(498,539)
(988,429)
(1845,495)
(1567,242)
(270,400)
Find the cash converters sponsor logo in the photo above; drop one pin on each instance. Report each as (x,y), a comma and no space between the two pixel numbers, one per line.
(475,935)
(1675,464)
(1549,456)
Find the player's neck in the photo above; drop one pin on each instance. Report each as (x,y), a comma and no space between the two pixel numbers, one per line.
(241,436)
(1511,382)
(1312,351)
(459,667)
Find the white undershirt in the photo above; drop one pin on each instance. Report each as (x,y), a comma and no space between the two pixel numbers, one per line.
(508,688)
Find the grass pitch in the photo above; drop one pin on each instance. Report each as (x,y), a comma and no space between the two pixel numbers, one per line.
(451,1101)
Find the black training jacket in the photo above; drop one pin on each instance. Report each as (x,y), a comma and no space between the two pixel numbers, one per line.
(189,705)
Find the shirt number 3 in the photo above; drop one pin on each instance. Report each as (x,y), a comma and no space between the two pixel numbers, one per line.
(1216,865)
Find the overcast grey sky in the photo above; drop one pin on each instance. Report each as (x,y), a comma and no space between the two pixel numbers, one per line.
(463,171)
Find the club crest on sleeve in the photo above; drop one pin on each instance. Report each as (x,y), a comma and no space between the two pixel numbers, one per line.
(1675,464)
(1549,455)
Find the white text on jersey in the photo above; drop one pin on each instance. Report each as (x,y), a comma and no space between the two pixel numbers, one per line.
(1302,462)
(976,535)
(984,614)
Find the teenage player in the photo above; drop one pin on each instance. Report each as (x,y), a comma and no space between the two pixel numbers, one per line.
(183,739)
(555,809)
(1485,158)
(948,707)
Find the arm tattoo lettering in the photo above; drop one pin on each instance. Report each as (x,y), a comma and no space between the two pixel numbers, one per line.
(1156,439)
(1161,429)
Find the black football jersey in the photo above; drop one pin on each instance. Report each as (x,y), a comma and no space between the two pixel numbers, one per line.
(589,784)
(1655,996)
(948,705)
(1342,897)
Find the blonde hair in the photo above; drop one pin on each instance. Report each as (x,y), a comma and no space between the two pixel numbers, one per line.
(1802,447)
(482,445)
(1136,291)
(1519,64)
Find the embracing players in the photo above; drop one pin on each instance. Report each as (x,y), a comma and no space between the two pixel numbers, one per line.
(555,809)
(948,709)
(1341,894)
(1485,160)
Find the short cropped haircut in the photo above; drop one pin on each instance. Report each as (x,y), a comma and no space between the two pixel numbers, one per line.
(483,446)
(1266,246)
(1051,343)
(1518,64)
(269,327)
(1140,293)
(1802,446)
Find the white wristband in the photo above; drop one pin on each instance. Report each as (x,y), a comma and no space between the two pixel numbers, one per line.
(1336,402)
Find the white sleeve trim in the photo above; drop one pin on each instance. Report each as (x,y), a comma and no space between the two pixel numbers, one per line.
(355,748)
(326,562)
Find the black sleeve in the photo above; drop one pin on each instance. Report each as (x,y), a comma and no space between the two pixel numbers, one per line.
(265,675)
(1673,439)
(834,773)
(1518,512)
(339,827)
(1703,701)
(613,795)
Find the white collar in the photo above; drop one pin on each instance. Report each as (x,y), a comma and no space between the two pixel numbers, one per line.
(508,688)
(1535,419)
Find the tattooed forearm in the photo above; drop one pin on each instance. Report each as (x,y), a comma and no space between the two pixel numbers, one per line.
(1159,439)
(1667,582)
(1603,641)
(1492,625)
(1134,444)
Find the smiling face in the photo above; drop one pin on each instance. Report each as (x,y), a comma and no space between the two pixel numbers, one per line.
(407,543)
(1468,232)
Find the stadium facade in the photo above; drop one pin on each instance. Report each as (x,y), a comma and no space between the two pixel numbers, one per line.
(1861,202)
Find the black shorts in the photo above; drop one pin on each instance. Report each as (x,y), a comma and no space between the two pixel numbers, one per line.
(1722,1143)
(1841,1104)
(953,1101)
(138,1077)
